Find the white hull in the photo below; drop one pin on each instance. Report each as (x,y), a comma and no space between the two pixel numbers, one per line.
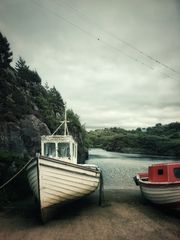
(55,182)
(165,194)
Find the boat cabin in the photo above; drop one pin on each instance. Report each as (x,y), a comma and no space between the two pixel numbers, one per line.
(164,172)
(62,147)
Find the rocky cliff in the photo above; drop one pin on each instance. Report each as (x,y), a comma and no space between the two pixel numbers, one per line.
(20,128)
(23,136)
(27,111)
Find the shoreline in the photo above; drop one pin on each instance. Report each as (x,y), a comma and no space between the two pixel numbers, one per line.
(142,154)
(125,215)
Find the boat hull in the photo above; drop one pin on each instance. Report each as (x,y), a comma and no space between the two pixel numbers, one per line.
(162,194)
(55,182)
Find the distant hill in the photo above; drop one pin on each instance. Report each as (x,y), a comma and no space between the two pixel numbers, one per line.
(157,140)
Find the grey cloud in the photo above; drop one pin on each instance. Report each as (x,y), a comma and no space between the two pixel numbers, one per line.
(101,79)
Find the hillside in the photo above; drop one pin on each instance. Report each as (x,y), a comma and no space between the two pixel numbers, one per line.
(157,140)
(28,110)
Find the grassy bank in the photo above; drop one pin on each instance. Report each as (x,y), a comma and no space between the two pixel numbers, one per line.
(157,140)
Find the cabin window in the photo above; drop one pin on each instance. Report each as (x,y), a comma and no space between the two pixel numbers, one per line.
(160,171)
(177,172)
(63,150)
(49,149)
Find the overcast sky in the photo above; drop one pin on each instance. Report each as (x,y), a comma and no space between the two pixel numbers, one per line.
(115,63)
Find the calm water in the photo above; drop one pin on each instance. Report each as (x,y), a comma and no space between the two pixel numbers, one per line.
(119,169)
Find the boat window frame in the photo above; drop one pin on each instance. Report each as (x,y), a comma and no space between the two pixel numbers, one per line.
(67,150)
(176,172)
(47,148)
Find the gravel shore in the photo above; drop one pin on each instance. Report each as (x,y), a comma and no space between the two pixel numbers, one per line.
(124,216)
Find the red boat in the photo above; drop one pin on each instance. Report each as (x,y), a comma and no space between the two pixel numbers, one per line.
(161,184)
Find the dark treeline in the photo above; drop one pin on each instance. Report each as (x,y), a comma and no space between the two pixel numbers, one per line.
(157,140)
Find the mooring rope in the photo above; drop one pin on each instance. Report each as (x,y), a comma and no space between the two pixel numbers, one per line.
(16,174)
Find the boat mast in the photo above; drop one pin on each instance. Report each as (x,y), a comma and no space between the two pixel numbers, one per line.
(66,131)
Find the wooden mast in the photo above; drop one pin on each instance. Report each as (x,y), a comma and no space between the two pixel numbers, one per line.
(66,131)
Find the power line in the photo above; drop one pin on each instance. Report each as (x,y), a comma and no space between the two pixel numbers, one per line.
(127,55)
(63,18)
(122,41)
(91,35)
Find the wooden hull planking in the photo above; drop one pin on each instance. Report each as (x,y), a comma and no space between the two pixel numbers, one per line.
(167,194)
(55,182)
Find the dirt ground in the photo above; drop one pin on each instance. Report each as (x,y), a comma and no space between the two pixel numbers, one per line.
(124,216)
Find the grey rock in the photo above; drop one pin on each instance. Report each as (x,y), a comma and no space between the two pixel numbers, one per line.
(23,137)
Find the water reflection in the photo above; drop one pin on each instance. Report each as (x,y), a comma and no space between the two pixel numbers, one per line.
(119,168)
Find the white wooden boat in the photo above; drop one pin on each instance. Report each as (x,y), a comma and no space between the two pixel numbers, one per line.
(161,184)
(55,177)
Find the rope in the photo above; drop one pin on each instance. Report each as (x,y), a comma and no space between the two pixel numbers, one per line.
(57,128)
(15,175)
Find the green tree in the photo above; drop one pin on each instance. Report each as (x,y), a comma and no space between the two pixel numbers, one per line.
(56,101)
(34,77)
(21,65)
(25,73)
(79,133)
(21,68)
(5,52)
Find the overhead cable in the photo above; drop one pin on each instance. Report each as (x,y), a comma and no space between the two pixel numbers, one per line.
(130,45)
(92,35)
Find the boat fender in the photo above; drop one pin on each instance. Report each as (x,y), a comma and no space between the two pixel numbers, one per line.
(136,180)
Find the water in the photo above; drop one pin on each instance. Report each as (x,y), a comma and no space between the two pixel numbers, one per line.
(119,169)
